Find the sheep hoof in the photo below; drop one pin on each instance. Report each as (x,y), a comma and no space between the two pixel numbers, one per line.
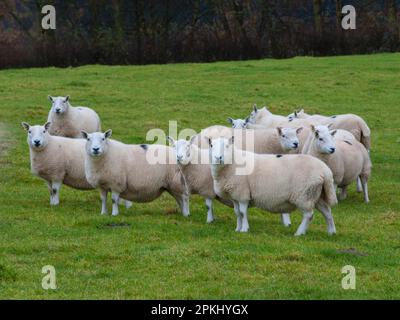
(244,230)
(210,220)
(115,214)
(298,234)
(103,213)
(128,204)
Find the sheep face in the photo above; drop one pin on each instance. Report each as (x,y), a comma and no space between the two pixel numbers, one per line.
(38,136)
(96,143)
(323,138)
(183,151)
(59,104)
(239,123)
(296,115)
(253,115)
(288,138)
(221,151)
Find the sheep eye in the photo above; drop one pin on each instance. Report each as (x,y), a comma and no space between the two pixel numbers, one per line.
(320,139)
(88,139)
(283,136)
(103,139)
(44,131)
(29,131)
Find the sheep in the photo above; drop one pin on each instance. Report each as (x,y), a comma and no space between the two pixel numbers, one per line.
(348,160)
(128,172)
(196,170)
(68,121)
(277,183)
(264,117)
(350,122)
(278,140)
(270,141)
(57,160)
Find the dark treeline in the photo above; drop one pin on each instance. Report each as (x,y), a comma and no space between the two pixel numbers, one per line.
(161,31)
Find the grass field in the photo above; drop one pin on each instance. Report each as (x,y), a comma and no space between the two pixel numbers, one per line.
(162,254)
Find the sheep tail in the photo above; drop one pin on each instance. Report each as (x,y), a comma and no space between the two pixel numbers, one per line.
(365,134)
(328,189)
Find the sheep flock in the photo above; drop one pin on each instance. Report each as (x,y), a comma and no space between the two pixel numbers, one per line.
(276,163)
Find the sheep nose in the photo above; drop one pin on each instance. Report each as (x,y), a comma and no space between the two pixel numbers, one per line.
(37,142)
(332,150)
(58,110)
(179,158)
(95,150)
(295,144)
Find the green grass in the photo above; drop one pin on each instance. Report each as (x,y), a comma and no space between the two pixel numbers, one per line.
(165,255)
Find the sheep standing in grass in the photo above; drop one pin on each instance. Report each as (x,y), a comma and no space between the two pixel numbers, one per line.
(196,170)
(57,160)
(126,171)
(350,122)
(266,118)
(263,141)
(69,121)
(348,160)
(277,183)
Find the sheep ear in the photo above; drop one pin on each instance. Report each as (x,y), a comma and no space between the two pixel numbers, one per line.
(230,120)
(50,98)
(47,125)
(255,108)
(301,111)
(66,99)
(330,125)
(279,129)
(295,114)
(312,128)
(108,133)
(231,140)
(171,140)
(298,130)
(192,139)
(247,120)
(208,140)
(333,132)
(25,125)
(85,135)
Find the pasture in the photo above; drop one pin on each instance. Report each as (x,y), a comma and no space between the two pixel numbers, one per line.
(151,251)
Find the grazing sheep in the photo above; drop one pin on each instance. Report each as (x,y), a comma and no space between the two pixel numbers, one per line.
(277,183)
(264,117)
(57,160)
(350,122)
(196,169)
(126,170)
(348,160)
(69,121)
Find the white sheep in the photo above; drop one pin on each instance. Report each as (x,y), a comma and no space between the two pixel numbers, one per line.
(69,121)
(127,171)
(57,160)
(263,141)
(196,169)
(277,183)
(348,160)
(350,122)
(266,118)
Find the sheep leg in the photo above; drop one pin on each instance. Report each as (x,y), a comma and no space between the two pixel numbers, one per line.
(128,204)
(185,205)
(243,211)
(115,201)
(238,215)
(54,188)
(285,217)
(364,182)
(307,217)
(210,215)
(359,185)
(327,213)
(103,196)
(343,193)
